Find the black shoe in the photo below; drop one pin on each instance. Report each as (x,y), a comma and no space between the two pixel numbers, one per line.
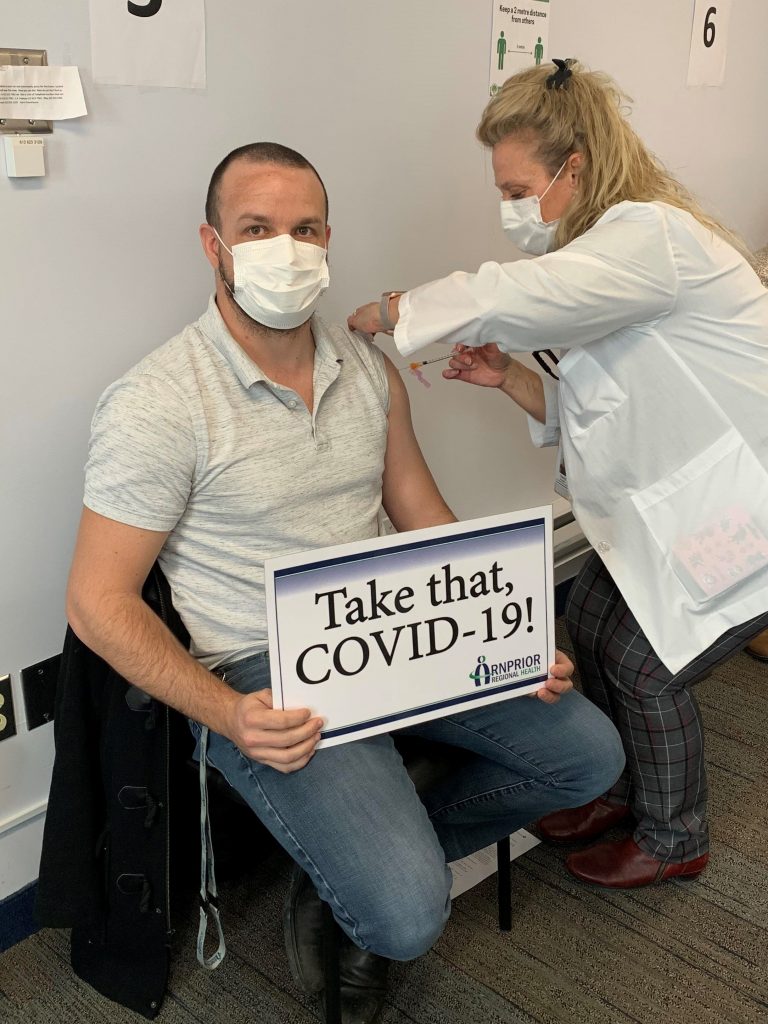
(363,984)
(303,930)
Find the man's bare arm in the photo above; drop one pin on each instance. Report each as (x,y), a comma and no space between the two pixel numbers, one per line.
(106,610)
(409,493)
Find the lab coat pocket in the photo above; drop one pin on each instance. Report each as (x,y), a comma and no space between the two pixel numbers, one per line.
(710,518)
(587,391)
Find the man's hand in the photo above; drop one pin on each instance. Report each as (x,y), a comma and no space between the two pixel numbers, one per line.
(284,740)
(485,366)
(559,681)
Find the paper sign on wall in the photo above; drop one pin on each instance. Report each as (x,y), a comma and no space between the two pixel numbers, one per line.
(150,42)
(709,42)
(519,38)
(40,93)
(392,631)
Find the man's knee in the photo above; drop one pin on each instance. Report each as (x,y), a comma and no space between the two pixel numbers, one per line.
(600,758)
(407,923)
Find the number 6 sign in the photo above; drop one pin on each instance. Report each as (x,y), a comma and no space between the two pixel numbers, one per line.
(709,42)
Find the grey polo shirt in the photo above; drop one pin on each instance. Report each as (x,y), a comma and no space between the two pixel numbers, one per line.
(196,440)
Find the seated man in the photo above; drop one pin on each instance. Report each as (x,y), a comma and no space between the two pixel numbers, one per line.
(259,431)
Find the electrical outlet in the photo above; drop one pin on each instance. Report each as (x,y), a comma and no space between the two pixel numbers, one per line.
(7,717)
(38,684)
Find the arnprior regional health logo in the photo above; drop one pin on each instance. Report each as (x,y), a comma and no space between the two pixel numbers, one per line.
(516,668)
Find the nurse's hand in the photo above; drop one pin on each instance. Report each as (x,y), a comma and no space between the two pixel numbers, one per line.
(485,366)
(367,319)
(559,681)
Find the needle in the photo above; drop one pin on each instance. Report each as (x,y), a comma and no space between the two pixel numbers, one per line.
(426,362)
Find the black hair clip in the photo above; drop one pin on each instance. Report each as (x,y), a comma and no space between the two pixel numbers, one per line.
(559,79)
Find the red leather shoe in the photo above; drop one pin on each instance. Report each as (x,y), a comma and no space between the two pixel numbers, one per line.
(624,865)
(584,822)
(758,647)
(757,655)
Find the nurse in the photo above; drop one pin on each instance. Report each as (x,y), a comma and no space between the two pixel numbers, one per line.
(659,406)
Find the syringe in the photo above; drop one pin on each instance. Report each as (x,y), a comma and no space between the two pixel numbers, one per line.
(425,362)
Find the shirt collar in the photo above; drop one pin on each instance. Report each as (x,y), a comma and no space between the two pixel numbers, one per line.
(212,325)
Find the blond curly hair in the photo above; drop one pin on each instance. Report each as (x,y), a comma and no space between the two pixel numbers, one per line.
(588,116)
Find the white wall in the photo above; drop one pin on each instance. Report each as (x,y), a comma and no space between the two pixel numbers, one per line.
(100,260)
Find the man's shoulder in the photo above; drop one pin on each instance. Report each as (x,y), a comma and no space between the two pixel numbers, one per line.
(176,357)
(349,342)
(167,382)
(177,366)
(359,354)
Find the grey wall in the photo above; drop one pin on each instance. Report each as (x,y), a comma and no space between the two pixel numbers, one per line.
(100,261)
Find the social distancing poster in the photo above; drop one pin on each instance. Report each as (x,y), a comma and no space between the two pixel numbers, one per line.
(519,38)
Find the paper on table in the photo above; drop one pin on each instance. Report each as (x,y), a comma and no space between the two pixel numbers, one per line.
(41,93)
(470,871)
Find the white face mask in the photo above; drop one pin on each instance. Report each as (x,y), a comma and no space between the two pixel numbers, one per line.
(278,281)
(522,223)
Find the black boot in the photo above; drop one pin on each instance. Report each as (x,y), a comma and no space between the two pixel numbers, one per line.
(363,984)
(303,930)
(362,975)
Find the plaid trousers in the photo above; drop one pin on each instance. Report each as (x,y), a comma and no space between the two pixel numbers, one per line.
(655,712)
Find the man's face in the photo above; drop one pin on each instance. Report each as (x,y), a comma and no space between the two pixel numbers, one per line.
(258,201)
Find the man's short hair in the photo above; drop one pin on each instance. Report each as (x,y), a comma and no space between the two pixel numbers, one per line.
(257,153)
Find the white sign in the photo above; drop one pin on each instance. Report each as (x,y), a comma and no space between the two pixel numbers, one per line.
(380,634)
(40,93)
(149,42)
(709,42)
(519,38)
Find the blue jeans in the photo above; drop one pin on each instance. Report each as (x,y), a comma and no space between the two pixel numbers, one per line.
(376,851)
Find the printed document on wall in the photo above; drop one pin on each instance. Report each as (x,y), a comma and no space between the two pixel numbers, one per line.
(519,38)
(151,42)
(40,93)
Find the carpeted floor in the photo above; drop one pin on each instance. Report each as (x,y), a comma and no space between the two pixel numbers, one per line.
(681,953)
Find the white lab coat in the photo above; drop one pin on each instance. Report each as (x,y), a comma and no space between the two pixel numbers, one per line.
(662,405)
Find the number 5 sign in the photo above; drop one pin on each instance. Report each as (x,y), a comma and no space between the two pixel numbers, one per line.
(148,42)
(709,42)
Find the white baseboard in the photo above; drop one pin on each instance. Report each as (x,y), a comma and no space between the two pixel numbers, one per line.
(20,843)
(23,817)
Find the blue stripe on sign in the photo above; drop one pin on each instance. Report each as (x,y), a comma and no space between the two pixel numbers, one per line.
(453,702)
(379,552)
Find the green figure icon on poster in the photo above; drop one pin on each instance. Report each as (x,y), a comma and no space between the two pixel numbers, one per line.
(538,52)
(501,49)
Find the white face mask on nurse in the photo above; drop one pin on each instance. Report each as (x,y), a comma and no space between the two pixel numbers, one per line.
(532,200)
